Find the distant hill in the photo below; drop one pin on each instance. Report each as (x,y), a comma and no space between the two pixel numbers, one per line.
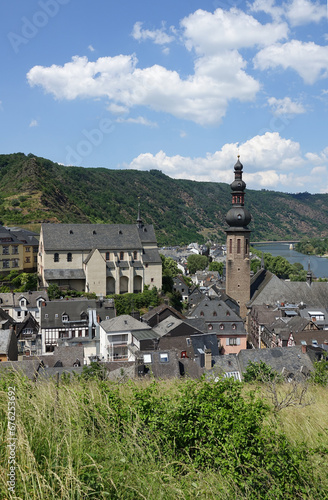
(35,190)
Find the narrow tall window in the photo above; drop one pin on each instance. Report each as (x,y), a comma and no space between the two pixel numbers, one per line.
(56,257)
(107,255)
(230,245)
(121,255)
(69,257)
(135,255)
(246,249)
(238,245)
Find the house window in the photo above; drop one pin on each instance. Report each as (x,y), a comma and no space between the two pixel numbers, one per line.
(27,260)
(152,280)
(35,249)
(121,255)
(135,255)
(233,341)
(14,250)
(147,358)
(164,357)
(221,326)
(56,257)
(230,245)
(64,317)
(15,263)
(27,249)
(19,314)
(238,245)
(69,257)
(107,255)
(5,264)
(246,249)
(188,341)
(233,326)
(5,250)
(210,327)
(80,333)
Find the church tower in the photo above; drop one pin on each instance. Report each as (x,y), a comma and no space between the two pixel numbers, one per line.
(238,241)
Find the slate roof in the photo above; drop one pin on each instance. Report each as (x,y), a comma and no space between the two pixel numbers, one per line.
(74,308)
(159,309)
(216,312)
(12,299)
(64,274)
(205,341)
(169,324)
(123,323)
(272,290)
(290,358)
(101,236)
(25,236)
(28,368)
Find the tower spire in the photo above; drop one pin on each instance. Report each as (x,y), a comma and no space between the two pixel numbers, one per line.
(139,220)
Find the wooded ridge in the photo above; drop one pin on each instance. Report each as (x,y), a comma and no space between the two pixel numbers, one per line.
(35,190)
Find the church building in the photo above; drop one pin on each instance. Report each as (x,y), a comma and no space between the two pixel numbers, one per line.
(100,258)
(238,243)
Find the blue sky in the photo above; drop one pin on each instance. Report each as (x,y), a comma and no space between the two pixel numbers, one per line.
(179,86)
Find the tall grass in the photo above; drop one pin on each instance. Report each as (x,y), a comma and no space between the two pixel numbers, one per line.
(164,440)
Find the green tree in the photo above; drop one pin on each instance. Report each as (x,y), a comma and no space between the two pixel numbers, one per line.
(216,266)
(196,262)
(259,372)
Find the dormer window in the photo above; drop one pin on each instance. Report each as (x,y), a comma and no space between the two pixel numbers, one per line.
(121,255)
(221,326)
(135,255)
(94,232)
(71,231)
(64,317)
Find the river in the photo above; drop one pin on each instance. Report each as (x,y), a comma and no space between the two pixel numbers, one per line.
(319,265)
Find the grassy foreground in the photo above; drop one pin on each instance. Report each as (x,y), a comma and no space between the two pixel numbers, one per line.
(180,439)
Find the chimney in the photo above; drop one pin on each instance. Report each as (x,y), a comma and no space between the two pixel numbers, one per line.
(304,349)
(208,359)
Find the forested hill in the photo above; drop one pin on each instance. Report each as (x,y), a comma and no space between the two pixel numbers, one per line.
(35,190)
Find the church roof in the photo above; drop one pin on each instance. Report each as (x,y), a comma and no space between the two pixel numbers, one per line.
(102,236)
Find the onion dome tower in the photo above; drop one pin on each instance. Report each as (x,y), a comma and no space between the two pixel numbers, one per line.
(238,241)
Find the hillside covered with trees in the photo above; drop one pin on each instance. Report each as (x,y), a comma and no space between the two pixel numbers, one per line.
(35,190)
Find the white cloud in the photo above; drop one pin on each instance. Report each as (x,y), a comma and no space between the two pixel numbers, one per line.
(297,12)
(183,134)
(202,97)
(90,47)
(157,36)
(309,60)
(33,123)
(285,106)
(272,161)
(208,33)
(269,7)
(140,120)
(300,12)
(116,109)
